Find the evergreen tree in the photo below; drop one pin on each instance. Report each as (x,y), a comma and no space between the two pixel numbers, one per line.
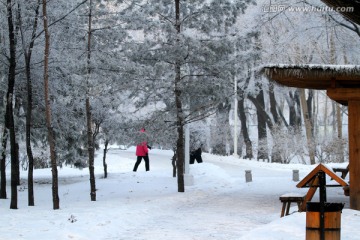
(184,51)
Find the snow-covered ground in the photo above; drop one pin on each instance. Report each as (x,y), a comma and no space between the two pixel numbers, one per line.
(146,205)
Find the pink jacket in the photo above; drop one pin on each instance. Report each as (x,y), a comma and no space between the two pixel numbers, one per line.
(142,149)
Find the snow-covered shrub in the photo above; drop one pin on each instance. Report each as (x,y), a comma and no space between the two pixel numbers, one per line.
(287,144)
(41,162)
(331,148)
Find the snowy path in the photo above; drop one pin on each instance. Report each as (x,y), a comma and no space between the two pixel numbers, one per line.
(146,205)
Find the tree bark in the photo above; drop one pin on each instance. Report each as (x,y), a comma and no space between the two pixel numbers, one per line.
(333,117)
(339,131)
(273,105)
(104,158)
(308,126)
(51,137)
(9,115)
(325,116)
(275,155)
(309,102)
(27,56)
(180,156)
(262,134)
(17,166)
(90,150)
(222,130)
(294,111)
(3,164)
(244,130)
(173,163)
(90,138)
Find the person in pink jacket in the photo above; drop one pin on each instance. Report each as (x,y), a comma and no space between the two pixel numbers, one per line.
(142,152)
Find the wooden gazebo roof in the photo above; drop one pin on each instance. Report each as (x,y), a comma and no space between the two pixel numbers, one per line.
(312,76)
(334,78)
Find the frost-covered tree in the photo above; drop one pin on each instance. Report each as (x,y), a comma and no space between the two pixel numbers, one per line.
(287,143)
(184,52)
(286,37)
(9,111)
(3,88)
(28,30)
(48,118)
(97,70)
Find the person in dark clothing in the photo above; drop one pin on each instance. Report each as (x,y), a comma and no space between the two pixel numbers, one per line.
(196,155)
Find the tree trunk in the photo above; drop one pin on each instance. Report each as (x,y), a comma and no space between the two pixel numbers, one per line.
(339,131)
(104,158)
(9,114)
(339,121)
(173,163)
(91,148)
(263,117)
(31,201)
(294,109)
(273,105)
(308,126)
(27,56)
(180,156)
(325,116)
(316,113)
(51,137)
(3,164)
(244,130)
(221,133)
(333,117)
(262,134)
(309,102)
(17,156)
(275,155)
(90,151)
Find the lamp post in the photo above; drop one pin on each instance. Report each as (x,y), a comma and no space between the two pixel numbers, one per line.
(187,148)
(235,116)
(188,178)
(235,102)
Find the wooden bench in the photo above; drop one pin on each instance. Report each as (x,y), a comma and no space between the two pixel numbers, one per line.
(287,199)
(344,171)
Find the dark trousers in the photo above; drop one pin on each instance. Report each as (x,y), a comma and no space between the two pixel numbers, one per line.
(138,161)
(196,157)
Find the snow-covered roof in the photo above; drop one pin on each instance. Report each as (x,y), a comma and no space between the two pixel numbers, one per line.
(314,76)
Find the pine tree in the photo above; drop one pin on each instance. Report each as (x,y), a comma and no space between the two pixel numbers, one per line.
(184,51)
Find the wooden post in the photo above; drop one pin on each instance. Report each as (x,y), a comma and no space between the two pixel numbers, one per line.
(354,153)
(310,194)
(352,97)
(322,183)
